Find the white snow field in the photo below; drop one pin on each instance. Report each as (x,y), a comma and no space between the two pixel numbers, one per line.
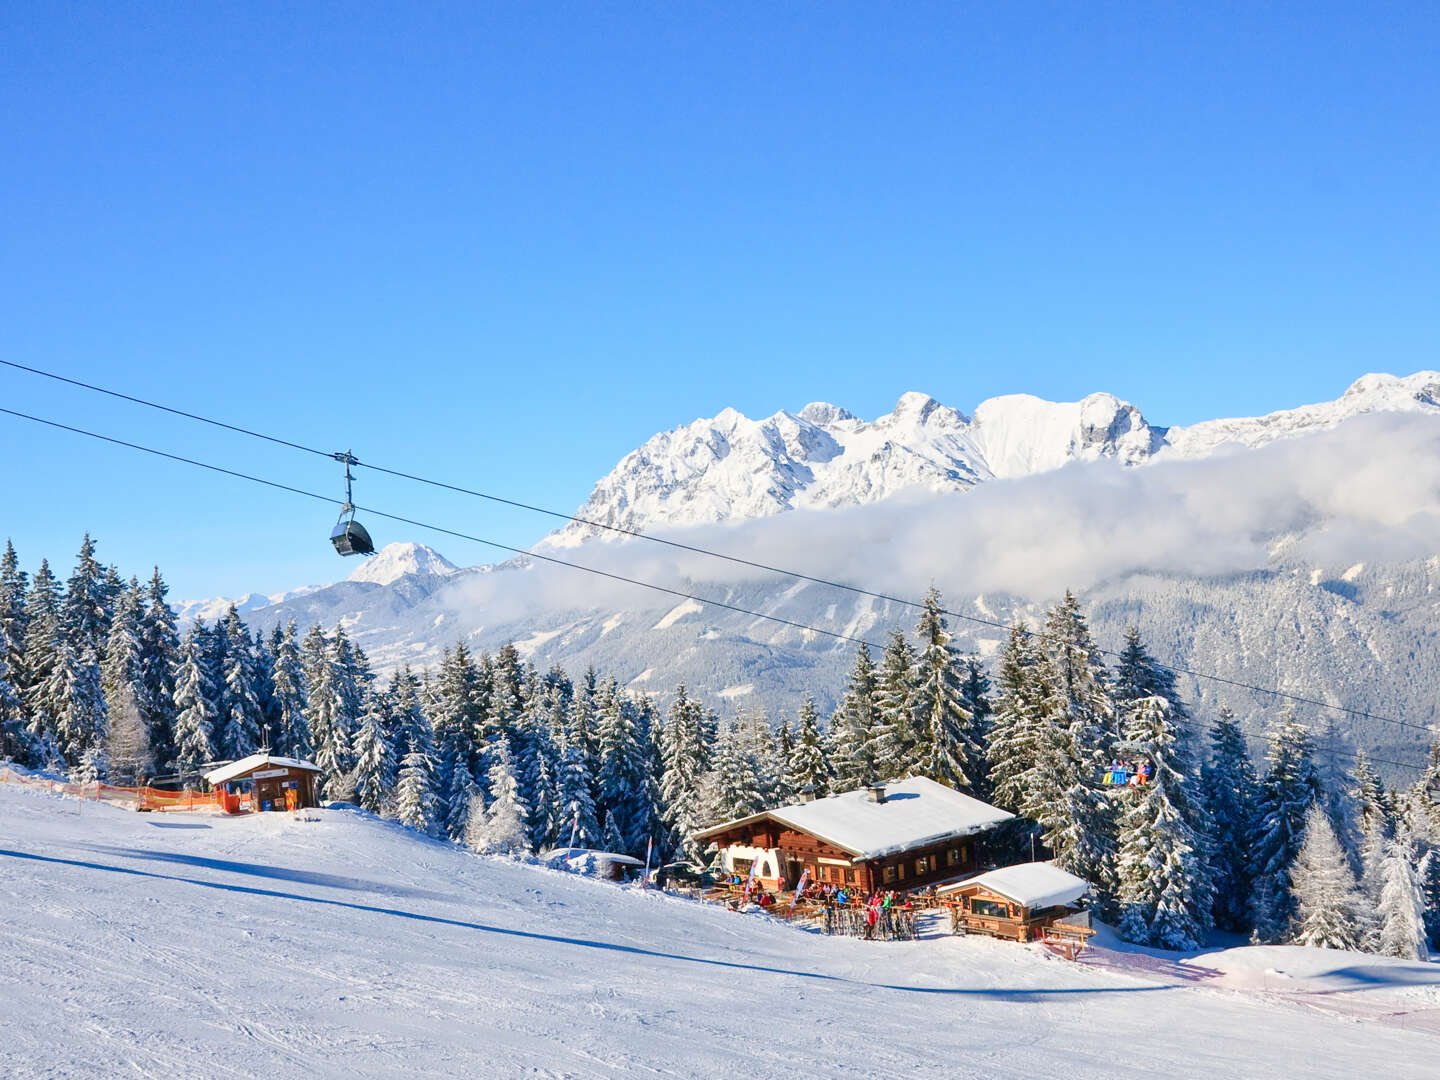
(198,945)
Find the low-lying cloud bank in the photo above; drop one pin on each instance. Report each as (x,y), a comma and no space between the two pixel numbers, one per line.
(1366,491)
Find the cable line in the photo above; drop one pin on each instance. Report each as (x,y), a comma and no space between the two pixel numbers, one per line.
(709,553)
(441,529)
(529,554)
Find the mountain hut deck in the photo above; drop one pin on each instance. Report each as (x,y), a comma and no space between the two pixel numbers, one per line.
(1022,902)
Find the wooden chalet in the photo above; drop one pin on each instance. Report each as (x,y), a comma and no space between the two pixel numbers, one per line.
(902,835)
(1021,902)
(263,782)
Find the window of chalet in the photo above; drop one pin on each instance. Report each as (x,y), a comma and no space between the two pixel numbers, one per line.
(952,857)
(887,876)
(988,907)
(923,865)
(742,866)
(849,875)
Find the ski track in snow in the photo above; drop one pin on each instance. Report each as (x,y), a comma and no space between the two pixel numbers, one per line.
(350,947)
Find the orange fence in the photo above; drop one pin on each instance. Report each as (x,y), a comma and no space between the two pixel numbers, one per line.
(139,798)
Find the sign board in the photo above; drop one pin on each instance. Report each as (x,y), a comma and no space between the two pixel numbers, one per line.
(264,774)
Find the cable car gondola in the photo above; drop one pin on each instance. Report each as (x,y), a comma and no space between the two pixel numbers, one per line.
(349,536)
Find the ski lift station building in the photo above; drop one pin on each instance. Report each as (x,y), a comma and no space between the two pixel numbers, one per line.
(264,782)
(901,835)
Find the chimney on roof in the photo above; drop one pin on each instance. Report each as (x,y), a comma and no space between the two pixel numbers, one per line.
(877,793)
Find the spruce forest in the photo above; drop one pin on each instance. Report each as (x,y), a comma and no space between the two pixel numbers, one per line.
(1287,844)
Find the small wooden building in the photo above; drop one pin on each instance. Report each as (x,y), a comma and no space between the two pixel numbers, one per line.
(902,835)
(263,782)
(1019,902)
(604,864)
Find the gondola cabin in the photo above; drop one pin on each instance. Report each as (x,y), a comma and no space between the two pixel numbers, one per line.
(1020,902)
(263,782)
(902,835)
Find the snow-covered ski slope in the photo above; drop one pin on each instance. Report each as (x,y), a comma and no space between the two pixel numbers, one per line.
(191,945)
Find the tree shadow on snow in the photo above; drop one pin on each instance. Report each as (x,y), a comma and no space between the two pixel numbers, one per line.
(280,873)
(1039,994)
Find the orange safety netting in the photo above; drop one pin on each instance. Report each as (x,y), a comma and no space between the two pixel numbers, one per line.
(142,798)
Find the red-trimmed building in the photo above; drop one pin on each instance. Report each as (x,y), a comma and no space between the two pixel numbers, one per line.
(901,835)
(265,782)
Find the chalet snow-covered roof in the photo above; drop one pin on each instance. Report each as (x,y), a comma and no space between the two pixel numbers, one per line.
(1032,885)
(916,812)
(256,761)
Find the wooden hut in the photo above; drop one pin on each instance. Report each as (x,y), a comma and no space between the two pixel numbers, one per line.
(902,835)
(1020,902)
(263,782)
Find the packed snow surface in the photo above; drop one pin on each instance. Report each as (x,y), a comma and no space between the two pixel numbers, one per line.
(201,945)
(1033,885)
(917,811)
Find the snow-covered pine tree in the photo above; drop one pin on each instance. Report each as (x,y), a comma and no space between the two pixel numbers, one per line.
(375,764)
(685,759)
(894,741)
(538,777)
(1078,712)
(42,644)
(1329,905)
(85,613)
(15,742)
(624,775)
(1401,912)
(808,773)
(128,744)
(949,749)
(73,696)
(195,711)
(333,708)
(1018,729)
(159,662)
(501,828)
(853,726)
(577,822)
(415,793)
(1164,886)
(241,715)
(14,585)
(290,730)
(1231,796)
(1285,797)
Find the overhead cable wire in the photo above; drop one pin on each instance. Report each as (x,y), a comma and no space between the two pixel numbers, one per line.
(441,529)
(523,552)
(709,553)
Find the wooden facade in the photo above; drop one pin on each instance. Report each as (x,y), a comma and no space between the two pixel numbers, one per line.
(979,907)
(786,852)
(269,785)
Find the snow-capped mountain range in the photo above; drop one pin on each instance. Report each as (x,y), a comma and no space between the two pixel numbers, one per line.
(732,468)
(1313,620)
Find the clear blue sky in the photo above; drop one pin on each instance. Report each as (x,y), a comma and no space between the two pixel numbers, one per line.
(503,244)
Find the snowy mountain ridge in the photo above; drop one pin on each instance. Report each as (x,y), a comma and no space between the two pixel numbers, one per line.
(395,561)
(732,468)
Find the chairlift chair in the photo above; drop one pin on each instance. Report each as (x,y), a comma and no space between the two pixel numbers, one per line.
(349,536)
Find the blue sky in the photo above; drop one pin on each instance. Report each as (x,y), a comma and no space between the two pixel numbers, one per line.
(503,245)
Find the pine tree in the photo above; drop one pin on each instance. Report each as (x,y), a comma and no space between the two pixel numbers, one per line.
(85,614)
(685,759)
(1285,797)
(73,697)
(332,709)
(375,773)
(14,586)
(290,734)
(501,828)
(1402,905)
(159,663)
(415,794)
(808,772)
(1232,793)
(1018,732)
(128,744)
(1165,889)
(949,748)
(1328,900)
(854,726)
(894,741)
(578,823)
(16,743)
(624,775)
(42,647)
(241,716)
(195,711)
